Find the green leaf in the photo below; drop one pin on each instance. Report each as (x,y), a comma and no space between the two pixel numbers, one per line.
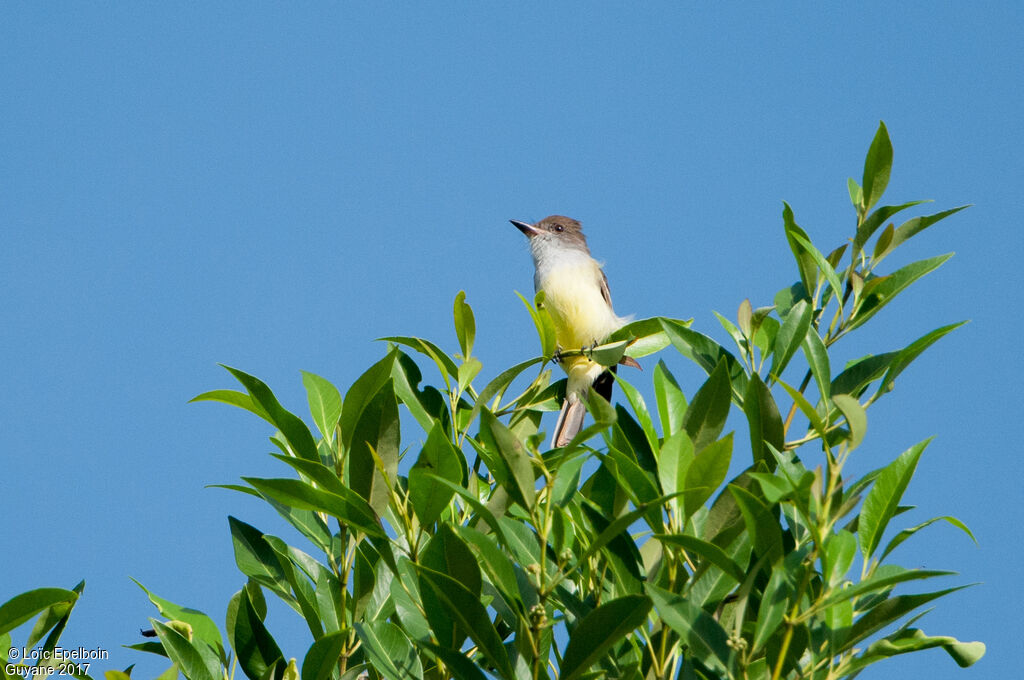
(520,475)
(744,316)
(376,432)
(465,324)
(203,626)
(877,166)
(347,507)
(466,609)
(706,353)
(389,650)
(880,291)
(886,612)
(856,193)
(194,664)
(773,606)
(673,461)
(322,657)
(761,524)
(670,399)
(643,416)
(438,458)
(840,549)
(698,629)
(706,473)
(361,394)
(495,561)
(861,373)
(53,620)
(234,398)
(791,336)
(609,353)
(599,630)
(918,224)
(455,661)
(447,553)
(884,497)
(912,640)
(734,333)
(764,421)
(467,372)
(324,403)
(885,578)
(817,424)
(875,220)
(805,263)
(705,417)
(823,265)
(707,552)
(23,607)
(646,336)
(907,533)
(817,358)
(883,245)
(290,425)
(543,323)
(256,650)
(445,364)
(426,405)
(856,418)
(906,355)
(255,558)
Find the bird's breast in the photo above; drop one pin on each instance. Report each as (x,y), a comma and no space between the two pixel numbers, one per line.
(572,296)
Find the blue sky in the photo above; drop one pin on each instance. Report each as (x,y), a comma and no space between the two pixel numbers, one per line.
(273,187)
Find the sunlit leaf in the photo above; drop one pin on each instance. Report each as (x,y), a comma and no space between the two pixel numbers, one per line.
(884,497)
(877,167)
(465,324)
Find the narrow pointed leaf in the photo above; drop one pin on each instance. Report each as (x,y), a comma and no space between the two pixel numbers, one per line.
(907,533)
(918,224)
(596,632)
(465,324)
(856,418)
(183,653)
(706,473)
(390,652)
(764,421)
(23,607)
(706,353)
(290,425)
(438,458)
(705,417)
(670,399)
(880,292)
(698,629)
(791,336)
(906,355)
(884,497)
(324,403)
(361,393)
(877,167)
(706,551)
(465,608)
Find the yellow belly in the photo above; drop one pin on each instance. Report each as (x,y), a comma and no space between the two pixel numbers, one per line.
(581,316)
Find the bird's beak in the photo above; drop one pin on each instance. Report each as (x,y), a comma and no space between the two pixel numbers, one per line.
(527,229)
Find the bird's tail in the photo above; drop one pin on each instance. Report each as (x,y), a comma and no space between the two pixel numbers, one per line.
(570,419)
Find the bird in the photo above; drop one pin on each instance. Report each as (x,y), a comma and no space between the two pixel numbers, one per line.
(578,300)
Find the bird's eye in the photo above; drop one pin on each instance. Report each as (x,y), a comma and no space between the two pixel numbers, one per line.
(559,227)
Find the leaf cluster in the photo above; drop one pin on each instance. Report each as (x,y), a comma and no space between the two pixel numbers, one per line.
(475,552)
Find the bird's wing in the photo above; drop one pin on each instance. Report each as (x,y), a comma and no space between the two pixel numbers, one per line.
(606,293)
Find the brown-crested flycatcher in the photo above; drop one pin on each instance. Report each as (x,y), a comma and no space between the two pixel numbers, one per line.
(577,299)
